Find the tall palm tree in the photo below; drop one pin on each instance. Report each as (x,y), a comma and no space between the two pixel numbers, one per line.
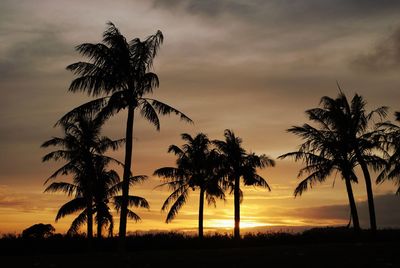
(323,154)
(391,142)
(197,167)
(353,124)
(238,164)
(83,148)
(119,71)
(350,124)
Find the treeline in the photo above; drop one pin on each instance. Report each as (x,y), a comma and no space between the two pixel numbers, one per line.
(340,137)
(319,237)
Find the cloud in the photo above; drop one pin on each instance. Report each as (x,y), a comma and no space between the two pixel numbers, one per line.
(35,54)
(206,7)
(28,201)
(383,57)
(294,13)
(387,209)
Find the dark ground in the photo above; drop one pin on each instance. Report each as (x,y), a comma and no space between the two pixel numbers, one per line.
(321,248)
(321,255)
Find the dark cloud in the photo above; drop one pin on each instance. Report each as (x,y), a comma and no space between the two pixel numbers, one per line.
(7,14)
(36,53)
(284,12)
(206,7)
(331,212)
(384,56)
(387,209)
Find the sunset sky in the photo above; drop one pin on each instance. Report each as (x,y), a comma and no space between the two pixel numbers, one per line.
(250,66)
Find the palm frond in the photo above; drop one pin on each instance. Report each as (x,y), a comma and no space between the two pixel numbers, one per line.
(176,206)
(65,187)
(70,207)
(148,112)
(135,201)
(132,181)
(86,108)
(133,216)
(77,223)
(165,109)
(57,155)
(168,173)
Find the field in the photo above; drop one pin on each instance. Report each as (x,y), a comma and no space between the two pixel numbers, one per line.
(320,248)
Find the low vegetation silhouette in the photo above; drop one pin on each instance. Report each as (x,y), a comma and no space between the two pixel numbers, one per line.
(39,230)
(278,249)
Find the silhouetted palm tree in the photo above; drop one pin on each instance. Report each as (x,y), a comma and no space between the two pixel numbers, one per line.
(348,125)
(391,142)
(354,127)
(99,207)
(238,164)
(120,69)
(133,200)
(323,154)
(103,192)
(106,188)
(83,148)
(197,167)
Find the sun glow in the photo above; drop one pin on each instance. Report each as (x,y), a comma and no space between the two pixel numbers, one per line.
(228,224)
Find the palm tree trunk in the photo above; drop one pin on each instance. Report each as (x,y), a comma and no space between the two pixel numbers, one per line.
(127,173)
(236,195)
(89,219)
(353,208)
(89,214)
(370,195)
(201,210)
(99,227)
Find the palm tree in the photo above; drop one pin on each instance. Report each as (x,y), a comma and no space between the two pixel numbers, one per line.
(353,125)
(237,164)
(350,125)
(99,207)
(106,187)
(391,141)
(103,192)
(323,154)
(120,70)
(83,148)
(133,200)
(197,168)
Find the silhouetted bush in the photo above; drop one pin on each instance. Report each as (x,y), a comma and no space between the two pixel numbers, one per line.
(61,244)
(39,230)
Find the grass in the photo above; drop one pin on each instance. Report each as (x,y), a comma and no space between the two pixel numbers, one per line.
(329,247)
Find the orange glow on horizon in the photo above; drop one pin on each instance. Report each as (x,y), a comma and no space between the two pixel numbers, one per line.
(229,224)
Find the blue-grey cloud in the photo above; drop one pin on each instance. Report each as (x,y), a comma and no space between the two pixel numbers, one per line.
(387,212)
(33,55)
(285,11)
(383,57)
